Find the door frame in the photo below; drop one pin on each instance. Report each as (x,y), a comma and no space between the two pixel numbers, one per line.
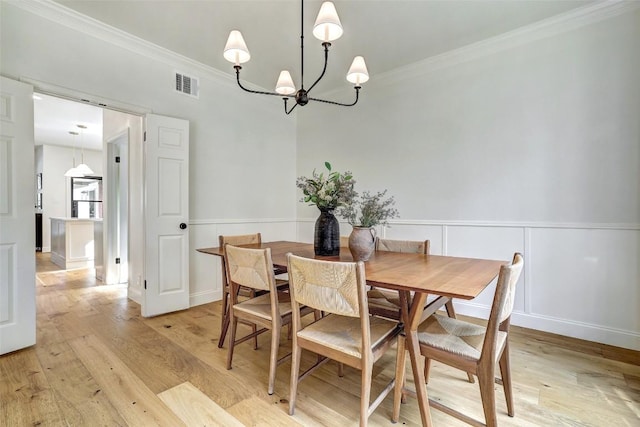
(117,206)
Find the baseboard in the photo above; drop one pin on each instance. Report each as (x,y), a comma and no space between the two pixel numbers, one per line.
(569,328)
(204,297)
(134,294)
(58,260)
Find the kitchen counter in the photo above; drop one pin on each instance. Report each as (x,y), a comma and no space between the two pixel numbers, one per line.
(72,242)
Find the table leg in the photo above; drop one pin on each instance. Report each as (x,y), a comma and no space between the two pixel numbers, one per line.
(411,322)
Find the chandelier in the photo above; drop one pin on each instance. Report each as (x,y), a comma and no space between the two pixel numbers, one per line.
(327,28)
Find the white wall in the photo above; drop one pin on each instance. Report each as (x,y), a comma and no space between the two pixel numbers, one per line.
(56,188)
(242,166)
(527,144)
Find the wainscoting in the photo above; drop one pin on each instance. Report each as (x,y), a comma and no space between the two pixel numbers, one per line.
(580,280)
(205,270)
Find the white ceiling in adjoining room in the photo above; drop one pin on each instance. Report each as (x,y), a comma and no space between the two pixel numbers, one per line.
(54,117)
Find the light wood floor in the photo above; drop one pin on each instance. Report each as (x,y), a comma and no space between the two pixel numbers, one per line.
(98,362)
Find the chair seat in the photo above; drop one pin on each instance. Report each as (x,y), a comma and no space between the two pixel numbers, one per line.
(384,298)
(456,336)
(261,305)
(344,333)
(389,300)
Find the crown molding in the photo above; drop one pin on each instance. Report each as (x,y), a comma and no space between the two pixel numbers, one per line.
(553,26)
(71,19)
(549,27)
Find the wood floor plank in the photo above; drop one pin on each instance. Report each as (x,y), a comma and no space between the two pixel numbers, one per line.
(231,386)
(591,405)
(256,412)
(148,355)
(80,398)
(26,398)
(195,408)
(47,333)
(134,401)
(633,381)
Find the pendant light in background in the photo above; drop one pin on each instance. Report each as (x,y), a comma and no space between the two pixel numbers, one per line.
(73,171)
(82,167)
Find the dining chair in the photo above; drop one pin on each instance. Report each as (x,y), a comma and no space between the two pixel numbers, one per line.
(470,347)
(253,269)
(347,333)
(241,239)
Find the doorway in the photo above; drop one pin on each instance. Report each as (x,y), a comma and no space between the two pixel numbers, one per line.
(106,138)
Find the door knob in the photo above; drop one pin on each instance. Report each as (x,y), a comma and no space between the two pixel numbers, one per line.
(183,226)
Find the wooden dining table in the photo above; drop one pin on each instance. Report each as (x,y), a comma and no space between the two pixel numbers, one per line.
(414,276)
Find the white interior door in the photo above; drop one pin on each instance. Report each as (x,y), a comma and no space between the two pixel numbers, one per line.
(17,223)
(166,215)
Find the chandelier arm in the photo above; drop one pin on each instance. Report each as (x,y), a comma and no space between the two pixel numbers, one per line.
(326,58)
(285,107)
(357,88)
(260,92)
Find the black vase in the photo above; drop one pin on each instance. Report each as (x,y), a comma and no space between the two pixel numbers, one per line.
(327,236)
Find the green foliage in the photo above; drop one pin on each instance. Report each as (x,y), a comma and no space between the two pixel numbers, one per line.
(327,191)
(369,210)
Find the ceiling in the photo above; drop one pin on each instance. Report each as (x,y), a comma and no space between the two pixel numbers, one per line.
(388,33)
(54,117)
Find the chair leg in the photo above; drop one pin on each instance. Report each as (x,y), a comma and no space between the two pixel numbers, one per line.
(486,381)
(295,369)
(505,372)
(398,395)
(365,394)
(340,367)
(254,329)
(427,369)
(224,320)
(232,341)
(273,362)
(451,312)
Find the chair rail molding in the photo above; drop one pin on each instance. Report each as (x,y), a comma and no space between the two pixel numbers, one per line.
(570,268)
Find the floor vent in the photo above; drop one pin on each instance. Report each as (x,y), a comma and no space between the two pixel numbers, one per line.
(187,85)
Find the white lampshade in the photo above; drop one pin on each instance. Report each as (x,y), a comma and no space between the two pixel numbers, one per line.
(358,73)
(74,172)
(285,84)
(84,169)
(236,51)
(327,27)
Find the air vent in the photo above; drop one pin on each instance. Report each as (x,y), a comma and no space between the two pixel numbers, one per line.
(187,85)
